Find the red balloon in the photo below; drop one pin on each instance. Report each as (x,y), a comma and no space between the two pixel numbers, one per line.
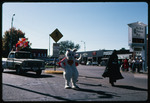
(17,44)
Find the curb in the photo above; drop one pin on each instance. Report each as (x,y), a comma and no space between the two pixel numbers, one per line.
(53,72)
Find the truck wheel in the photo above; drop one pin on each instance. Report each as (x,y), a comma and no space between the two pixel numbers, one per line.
(18,70)
(38,72)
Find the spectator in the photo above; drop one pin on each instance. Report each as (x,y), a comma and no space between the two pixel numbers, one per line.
(133,65)
(126,65)
(137,64)
(119,63)
(130,63)
(122,66)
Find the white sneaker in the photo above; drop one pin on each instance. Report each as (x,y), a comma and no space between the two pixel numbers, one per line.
(75,87)
(67,87)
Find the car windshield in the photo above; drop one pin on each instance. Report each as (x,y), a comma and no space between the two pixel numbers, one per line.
(23,55)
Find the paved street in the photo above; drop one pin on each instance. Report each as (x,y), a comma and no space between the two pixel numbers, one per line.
(93,87)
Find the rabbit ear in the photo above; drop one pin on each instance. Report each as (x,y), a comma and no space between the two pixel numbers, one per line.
(74,50)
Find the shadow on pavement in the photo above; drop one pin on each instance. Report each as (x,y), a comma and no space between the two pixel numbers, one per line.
(99,85)
(130,87)
(101,93)
(29,74)
(90,84)
(56,97)
(90,77)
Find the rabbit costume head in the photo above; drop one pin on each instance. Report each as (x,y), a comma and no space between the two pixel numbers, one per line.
(70,54)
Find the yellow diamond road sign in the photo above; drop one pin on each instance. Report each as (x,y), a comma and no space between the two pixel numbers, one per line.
(56,35)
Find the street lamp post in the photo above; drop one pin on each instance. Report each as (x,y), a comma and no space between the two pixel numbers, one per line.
(49,46)
(84,45)
(11,31)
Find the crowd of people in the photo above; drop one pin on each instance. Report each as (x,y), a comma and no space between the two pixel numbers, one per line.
(132,64)
(112,70)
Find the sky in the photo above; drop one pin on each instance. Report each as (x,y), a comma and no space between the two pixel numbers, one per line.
(101,25)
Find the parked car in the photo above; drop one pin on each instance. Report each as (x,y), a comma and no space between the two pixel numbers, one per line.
(3,64)
(103,63)
(88,63)
(83,62)
(52,62)
(21,61)
(95,63)
(49,63)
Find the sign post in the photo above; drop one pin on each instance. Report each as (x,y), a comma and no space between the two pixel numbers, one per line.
(56,36)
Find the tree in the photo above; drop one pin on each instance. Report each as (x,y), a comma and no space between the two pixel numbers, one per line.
(122,49)
(9,39)
(65,45)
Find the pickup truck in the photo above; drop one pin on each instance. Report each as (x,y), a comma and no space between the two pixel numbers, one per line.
(22,61)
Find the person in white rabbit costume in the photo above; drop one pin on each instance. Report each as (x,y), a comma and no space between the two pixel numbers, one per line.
(69,64)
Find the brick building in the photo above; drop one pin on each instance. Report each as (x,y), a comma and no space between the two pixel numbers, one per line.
(39,53)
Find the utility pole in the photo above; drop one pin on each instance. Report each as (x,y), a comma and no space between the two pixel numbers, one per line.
(11,32)
(49,45)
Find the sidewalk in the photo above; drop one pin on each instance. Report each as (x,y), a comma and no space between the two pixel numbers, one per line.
(142,72)
(136,74)
(145,72)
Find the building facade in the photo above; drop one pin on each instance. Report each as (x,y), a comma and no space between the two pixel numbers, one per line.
(39,53)
(102,55)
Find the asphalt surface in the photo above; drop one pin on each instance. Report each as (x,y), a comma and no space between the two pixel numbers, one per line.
(93,87)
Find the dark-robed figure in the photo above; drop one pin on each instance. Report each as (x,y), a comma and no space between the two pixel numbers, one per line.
(112,69)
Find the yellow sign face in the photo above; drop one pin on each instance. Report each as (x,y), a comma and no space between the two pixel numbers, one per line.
(56,35)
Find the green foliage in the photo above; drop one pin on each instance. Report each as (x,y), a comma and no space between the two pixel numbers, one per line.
(122,49)
(9,39)
(65,45)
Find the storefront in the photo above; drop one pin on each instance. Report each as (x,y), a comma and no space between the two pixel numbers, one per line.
(101,57)
(92,56)
(138,40)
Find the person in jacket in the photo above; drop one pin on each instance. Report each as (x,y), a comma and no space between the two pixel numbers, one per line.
(133,65)
(137,64)
(126,65)
(112,69)
(130,63)
(142,64)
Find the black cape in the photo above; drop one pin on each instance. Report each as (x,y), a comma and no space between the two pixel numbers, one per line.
(112,69)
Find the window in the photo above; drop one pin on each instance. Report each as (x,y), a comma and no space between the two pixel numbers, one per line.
(38,54)
(23,55)
(12,55)
(34,55)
